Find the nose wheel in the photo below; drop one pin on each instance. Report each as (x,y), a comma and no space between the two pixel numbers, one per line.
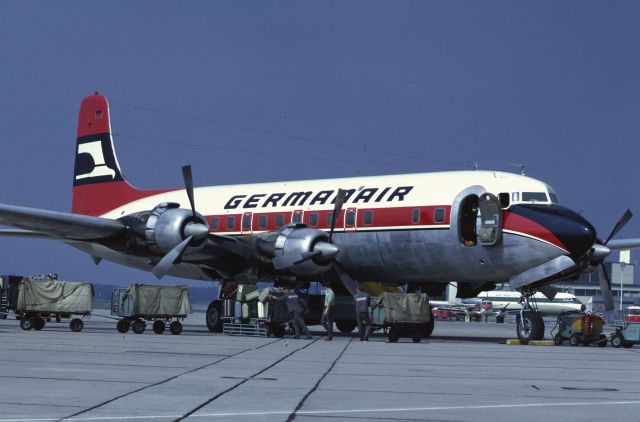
(529,324)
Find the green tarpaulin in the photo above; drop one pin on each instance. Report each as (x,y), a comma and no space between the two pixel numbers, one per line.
(401,307)
(55,296)
(153,299)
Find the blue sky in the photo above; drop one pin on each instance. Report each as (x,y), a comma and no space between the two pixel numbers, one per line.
(267,91)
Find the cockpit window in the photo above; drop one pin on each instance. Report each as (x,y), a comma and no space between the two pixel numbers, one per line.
(534,197)
(554,198)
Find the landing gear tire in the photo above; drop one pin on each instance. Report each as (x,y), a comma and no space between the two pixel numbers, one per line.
(558,339)
(531,327)
(346,326)
(214,316)
(602,340)
(123,325)
(38,323)
(138,326)
(574,340)
(76,325)
(159,326)
(616,340)
(26,323)
(175,327)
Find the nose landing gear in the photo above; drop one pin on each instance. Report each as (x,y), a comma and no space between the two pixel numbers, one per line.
(530,325)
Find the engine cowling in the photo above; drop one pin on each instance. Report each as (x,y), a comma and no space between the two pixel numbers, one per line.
(303,252)
(168,225)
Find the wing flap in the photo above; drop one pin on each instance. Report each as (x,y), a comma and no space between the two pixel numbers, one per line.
(58,224)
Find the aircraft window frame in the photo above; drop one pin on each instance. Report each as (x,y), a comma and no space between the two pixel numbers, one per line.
(215,223)
(415,216)
(350,218)
(515,197)
(553,197)
(231,222)
(279,220)
(246,222)
(313,219)
(329,218)
(535,197)
(263,220)
(439,215)
(296,217)
(367,218)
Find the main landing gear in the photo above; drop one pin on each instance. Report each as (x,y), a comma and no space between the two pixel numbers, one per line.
(529,324)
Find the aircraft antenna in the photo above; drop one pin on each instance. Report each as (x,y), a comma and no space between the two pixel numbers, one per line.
(522,166)
(475,165)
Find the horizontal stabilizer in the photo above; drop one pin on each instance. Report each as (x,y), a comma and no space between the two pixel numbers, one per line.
(58,224)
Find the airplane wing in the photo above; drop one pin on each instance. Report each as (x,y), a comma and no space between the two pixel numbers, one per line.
(41,223)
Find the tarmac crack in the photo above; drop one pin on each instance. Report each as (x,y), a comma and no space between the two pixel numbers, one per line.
(163,381)
(222,393)
(292,416)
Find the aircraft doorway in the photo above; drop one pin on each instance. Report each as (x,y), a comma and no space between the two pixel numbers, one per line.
(467,221)
(480,220)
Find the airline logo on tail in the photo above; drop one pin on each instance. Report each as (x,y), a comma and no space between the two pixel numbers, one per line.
(100,168)
(95,161)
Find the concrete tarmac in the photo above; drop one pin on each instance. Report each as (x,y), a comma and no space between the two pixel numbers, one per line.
(464,372)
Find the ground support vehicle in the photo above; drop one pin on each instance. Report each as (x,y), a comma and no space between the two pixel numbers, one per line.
(253,313)
(162,304)
(35,300)
(627,331)
(580,328)
(403,314)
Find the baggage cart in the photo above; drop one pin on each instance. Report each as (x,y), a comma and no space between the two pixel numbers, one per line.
(403,314)
(36,300)
(580,328)
(627,330)
(162,304)
(254,313)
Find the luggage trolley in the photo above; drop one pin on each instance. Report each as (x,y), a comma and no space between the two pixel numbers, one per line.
(627,330)
(36,300)
(162,304)
(254,314)
(403,314)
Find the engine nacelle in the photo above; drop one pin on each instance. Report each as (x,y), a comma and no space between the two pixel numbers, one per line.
(303,252)
(165,228)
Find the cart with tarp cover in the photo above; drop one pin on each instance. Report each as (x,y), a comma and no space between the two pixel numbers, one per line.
(39,299)
(403,314)
(162,304)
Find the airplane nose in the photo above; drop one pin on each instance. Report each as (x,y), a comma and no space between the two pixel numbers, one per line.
(572,230)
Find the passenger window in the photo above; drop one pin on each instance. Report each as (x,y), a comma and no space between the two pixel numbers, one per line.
(330,219)
(279,220)
(439,215)
(297,217)
(313,219)
(215,223)
(368,218)
(504,200)
(415,216)
(246,222)
(231,222)
(262,222)
(350,218)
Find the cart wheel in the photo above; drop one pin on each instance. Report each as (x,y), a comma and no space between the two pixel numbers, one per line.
(574,340)
(159,326)
(428,328)
(277,331)
(138,326)
(76,325)
(616,340)
(417,336)
(26,323)
(175,328)
(3,314)
(558,339)
(394,335)
(38,323)
(602,340)
(346,326)
(627,344)
(123,325)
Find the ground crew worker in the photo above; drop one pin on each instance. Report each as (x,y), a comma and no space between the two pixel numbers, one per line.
(327,313)
(296,307)
(363,301)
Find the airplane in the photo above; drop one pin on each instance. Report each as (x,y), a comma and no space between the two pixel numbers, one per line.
(426,229)
(511,301)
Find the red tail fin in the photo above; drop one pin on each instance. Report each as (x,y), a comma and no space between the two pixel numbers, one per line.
(98,184)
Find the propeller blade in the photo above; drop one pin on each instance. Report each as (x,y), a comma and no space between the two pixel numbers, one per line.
(605,287)
(167,261)
(620,224)
(336,210)
(188,184)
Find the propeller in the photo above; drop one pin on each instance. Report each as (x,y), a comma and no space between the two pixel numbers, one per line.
(195,231)
(336,211)
(598,254)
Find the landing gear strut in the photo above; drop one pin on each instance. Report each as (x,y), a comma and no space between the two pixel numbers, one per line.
(530,325)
